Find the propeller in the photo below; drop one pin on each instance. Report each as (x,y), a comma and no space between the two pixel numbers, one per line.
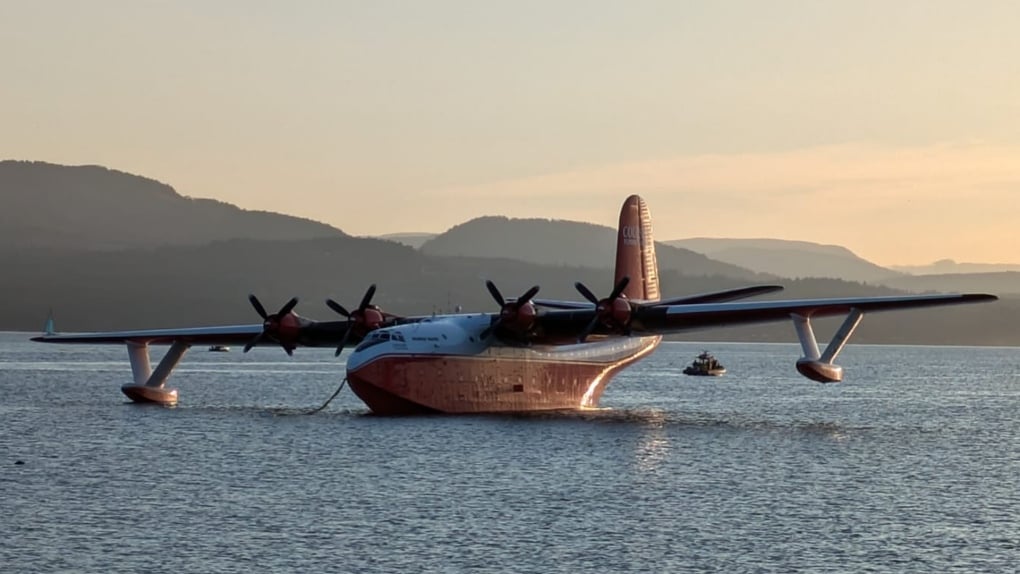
(518,315)
(282,326)
(614,311)
(365,318)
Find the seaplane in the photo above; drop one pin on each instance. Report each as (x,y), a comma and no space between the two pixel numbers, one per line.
(529,354)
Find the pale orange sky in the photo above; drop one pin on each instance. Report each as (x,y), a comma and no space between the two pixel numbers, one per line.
(891,128)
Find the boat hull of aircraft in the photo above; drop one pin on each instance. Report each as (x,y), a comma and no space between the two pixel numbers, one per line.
(539,378)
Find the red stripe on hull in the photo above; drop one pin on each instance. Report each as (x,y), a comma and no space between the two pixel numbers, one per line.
(393,385)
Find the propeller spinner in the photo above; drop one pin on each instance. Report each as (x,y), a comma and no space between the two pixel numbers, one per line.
(614,311)
(365,318)
(518,316)
(282,326)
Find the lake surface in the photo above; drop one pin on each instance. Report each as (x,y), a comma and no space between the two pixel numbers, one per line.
(911,465)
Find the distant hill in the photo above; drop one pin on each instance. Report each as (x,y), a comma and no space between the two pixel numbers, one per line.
(91,207)
(785,258)
(558,242)
(410,239)
(948,266)
(1002,283)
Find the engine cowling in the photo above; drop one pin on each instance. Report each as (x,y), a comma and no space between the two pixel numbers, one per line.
(516,318)
(283,327)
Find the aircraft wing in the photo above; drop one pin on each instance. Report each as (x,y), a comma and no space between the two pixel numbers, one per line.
(651,319)
(308,334)
(289,331)
(673,318)
(220,335)
(285,328)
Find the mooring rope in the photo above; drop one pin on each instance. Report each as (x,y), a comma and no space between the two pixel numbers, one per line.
(330,399)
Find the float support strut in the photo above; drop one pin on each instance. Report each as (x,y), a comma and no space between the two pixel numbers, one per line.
(149,385)
(819,366)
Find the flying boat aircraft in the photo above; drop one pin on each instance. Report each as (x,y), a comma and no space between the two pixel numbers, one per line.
(530,355)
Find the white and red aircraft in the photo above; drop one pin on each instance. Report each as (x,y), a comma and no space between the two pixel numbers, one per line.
(532,355)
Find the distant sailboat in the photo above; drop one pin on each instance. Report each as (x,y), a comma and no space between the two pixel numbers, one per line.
(48,328)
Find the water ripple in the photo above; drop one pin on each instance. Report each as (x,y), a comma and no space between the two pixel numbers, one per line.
(911,467)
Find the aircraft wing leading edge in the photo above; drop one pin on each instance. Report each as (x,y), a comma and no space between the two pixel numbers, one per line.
(674,318)
(219,335)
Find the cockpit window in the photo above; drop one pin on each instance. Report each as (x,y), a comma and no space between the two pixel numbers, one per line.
(371,340)
(377,337)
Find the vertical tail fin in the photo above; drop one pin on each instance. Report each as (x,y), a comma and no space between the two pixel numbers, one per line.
(635,251)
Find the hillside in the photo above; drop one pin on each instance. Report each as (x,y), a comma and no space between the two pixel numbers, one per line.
(785,258)
(91,207)
(557,242)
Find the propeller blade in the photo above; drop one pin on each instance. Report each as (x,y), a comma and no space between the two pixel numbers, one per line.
(288,307)
(602,312)
(271,325)
(258,339)
(343,341)
(528,295)
(359,318)
(586,293)
(509,312)
(589,329)
(367,299)
(619,287)
(338,308)
(495,293)
(258,306)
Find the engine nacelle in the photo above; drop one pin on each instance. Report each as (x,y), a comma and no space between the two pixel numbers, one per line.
(820,371)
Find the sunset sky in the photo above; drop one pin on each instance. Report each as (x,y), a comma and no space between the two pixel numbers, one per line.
(891,128)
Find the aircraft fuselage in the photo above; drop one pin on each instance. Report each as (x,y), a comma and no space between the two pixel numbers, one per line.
(443,365)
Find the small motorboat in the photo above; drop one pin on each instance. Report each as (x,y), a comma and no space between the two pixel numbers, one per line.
(219,349)
(705,366)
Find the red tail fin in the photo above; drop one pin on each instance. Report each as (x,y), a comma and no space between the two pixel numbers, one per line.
(635,251)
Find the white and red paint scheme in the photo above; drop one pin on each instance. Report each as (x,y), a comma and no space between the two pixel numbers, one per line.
(442,365)
(531,355)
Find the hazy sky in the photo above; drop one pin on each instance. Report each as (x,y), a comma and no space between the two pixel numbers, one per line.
(888,127)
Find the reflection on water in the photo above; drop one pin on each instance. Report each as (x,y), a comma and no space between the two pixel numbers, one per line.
(653,448)
(910,465)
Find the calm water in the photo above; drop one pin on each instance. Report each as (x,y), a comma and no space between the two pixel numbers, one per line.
(912,465)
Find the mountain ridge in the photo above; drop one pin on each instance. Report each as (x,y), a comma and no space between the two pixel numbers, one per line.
(789,258)
(97,208)
(561,242)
